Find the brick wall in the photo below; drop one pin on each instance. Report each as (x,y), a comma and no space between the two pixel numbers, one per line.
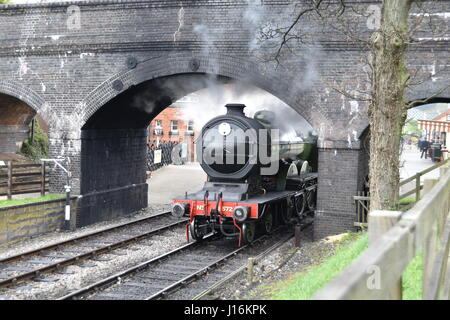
(339,172)
(113,174)
(11,138)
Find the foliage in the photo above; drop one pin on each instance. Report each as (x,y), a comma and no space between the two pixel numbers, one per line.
(15,202)
(38,148)
(411,129)
(4,1)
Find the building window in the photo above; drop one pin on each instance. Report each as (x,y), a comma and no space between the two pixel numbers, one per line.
(448,117)
(174,126)
(158,127)
(190,126)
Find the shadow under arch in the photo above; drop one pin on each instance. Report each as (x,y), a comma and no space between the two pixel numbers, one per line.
(28,96)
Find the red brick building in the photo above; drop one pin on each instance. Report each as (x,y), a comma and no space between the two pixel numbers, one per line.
(438,129)
(171,125)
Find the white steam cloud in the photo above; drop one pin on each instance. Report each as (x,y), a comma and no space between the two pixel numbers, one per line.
(210,102)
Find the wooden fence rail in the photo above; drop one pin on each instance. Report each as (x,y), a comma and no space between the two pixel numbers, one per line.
(395,238)
(23,178)
(362,199)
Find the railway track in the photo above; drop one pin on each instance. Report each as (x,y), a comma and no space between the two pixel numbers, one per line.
(164,276)
(56,257)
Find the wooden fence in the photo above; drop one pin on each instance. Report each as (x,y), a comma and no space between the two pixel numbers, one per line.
(395,238)
(362,199)
(23,178)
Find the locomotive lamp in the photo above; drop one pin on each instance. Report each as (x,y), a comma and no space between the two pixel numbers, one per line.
(241,213)
(180,209)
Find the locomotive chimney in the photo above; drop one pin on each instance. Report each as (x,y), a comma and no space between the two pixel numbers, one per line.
(235,109)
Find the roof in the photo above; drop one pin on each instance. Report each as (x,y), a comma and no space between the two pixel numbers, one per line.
(428,112)
(444,114)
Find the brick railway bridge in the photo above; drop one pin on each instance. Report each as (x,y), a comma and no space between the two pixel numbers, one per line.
(98,71)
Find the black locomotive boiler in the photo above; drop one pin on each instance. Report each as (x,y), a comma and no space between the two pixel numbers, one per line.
(254,180)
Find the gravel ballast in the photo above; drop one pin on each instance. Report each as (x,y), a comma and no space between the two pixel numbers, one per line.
(90,271)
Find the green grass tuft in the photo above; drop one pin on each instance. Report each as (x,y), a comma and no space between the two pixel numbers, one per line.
(406,200)
(15,202)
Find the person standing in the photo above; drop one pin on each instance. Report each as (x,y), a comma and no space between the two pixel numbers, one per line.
(425,146)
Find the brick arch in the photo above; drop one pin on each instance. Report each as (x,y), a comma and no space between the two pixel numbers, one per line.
(30,97)
(277,83)
(27,96)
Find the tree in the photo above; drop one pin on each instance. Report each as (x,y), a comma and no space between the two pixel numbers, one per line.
(387,108)
(387,79)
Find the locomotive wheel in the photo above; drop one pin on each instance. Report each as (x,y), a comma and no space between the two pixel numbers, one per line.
(300,205)
(248,231)
(311,199)
(268,222)
(194,229)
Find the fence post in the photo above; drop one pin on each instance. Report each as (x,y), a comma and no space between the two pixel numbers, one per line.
(417,186)
(379,223)
(429,247)
(10,176)
(43,179)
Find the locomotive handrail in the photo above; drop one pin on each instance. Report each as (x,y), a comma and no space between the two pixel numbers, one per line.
(395,238)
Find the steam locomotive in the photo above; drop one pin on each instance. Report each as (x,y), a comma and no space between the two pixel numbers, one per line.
(254,179)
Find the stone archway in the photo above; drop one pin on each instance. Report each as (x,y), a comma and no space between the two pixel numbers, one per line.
(18,106)
(113,142)
(137,72)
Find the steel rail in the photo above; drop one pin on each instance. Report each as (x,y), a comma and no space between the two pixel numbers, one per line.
(194,275)
(58,265)
(107,282)
(128,272)
(83,237)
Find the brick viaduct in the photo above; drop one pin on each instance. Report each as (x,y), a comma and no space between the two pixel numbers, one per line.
(98,71)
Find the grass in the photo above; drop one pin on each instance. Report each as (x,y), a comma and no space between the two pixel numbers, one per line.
(303,285)
(15,202)
(412,279)
(406,200)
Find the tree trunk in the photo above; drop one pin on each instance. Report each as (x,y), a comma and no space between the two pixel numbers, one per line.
(387,111)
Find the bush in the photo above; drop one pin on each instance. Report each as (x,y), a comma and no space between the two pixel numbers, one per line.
(38,148)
